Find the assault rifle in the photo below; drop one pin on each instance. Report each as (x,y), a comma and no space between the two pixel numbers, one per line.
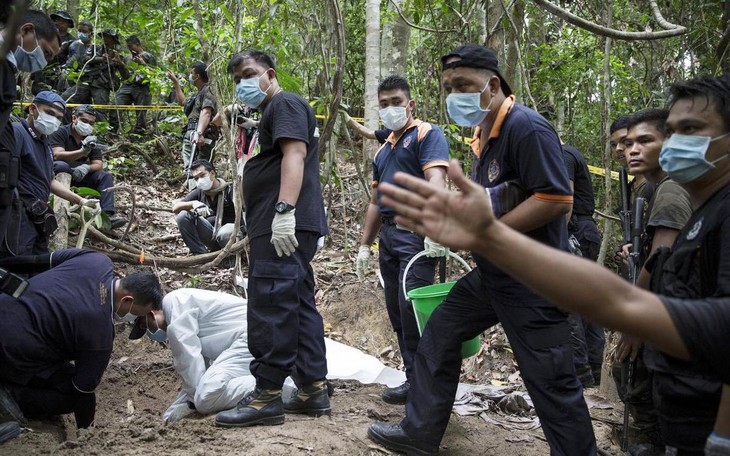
(625,212)
(636,232)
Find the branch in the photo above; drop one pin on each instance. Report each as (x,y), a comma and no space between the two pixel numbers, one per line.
(417,27)
(131,211)
(672,30)
(329,125)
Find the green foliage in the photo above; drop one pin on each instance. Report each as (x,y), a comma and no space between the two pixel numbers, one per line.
(117,166)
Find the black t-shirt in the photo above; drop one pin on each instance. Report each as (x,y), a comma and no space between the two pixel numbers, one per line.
(287,116)
(575,164)
(64,138)
(64,315)
(229,211)
(704,326)
(699,267)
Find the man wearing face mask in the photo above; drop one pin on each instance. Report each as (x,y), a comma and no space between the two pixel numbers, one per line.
(206,215)
(207,334)
(35,38)
(29,235)
(57,338)
(199,135)
(75,152)
(77,49)
(420,149)
(285,218)
(511,144)
(695,156)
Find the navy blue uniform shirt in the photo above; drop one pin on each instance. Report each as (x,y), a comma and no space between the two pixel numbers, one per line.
(420,147)
(64,315)
(36,162)
(522,146)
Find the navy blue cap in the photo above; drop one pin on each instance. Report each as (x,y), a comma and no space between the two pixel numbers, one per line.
(50,98)
(475,56)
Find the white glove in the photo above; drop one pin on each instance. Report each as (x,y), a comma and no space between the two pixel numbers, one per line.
(363,261)
(201,209)
(283,235)
(434,249)
(89,143)
(245,122)
(91,202)
(78,173)
(176,412)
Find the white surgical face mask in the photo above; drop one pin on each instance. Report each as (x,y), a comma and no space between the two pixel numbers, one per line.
(46,124)
(129,317)
(394,117)
(83,128)
(204,183)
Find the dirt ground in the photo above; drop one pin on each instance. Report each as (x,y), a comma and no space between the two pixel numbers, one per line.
(140,382)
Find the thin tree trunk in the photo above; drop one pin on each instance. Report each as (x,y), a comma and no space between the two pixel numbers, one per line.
(372,75)
(59,238)
(394,42)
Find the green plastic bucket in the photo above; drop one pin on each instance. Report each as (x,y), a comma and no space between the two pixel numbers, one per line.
(426,299)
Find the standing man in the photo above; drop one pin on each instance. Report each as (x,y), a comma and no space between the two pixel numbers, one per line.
(36,182)
(63,22)
(588,339)
(56,339)
(285,217)
(206,215)
(77,49)
(420,149)
(136,88)
(34,43)
(103,66)
(512,143)
(199,135)
(75,152)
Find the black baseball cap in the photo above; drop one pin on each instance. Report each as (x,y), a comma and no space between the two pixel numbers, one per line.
(137,330)
(111,32)
(85,109)
(63,15)
(475,56)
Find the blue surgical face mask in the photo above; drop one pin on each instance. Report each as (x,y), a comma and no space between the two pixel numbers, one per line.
(32,61)
(683,157)
(84,37)
(248,92)
(129,317)
(394,117)
(466,108)
(159,335)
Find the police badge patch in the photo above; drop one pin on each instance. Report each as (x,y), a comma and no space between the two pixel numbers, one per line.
(407,141)
(102,293)
(493,170)
(695,230)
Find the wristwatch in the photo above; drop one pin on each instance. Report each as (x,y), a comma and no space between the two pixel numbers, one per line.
(282,207)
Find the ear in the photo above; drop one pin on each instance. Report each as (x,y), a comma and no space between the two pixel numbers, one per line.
(23,32)
(494,85)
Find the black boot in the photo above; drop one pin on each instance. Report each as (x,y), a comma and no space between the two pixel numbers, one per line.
(397,395)
(311,400)
(393,436)
(261,407)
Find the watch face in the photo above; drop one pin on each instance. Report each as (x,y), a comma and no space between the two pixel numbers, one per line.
(281,207)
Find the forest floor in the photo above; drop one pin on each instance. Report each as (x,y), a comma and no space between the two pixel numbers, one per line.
(140,381)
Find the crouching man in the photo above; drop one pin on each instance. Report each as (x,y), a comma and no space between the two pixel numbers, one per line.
(203,328)
(206,215)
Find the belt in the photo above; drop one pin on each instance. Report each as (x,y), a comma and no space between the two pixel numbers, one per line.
(584,217)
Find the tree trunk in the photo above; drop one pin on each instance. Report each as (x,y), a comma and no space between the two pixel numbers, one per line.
(372,75)
(59,238)
(394,42)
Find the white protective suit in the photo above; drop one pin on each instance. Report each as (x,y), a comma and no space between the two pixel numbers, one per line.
(207,333)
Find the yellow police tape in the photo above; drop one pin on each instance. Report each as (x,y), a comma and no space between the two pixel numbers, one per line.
(593,169)
(118,107)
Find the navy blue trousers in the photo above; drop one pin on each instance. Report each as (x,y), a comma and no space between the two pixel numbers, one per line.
(285,330)
(540,339)
(98,180)
(396,248)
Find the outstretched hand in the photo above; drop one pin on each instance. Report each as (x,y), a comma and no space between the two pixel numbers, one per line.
(456,219)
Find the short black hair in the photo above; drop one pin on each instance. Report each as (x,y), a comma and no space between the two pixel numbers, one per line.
(204,163)
(44,27)
(87,24)
(200,70)
(618,124)
(394,82)
(144,287)
(654,116)
(716,90)
(260,57)
(133,39)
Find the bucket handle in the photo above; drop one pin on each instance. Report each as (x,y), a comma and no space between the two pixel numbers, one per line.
(419,255)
